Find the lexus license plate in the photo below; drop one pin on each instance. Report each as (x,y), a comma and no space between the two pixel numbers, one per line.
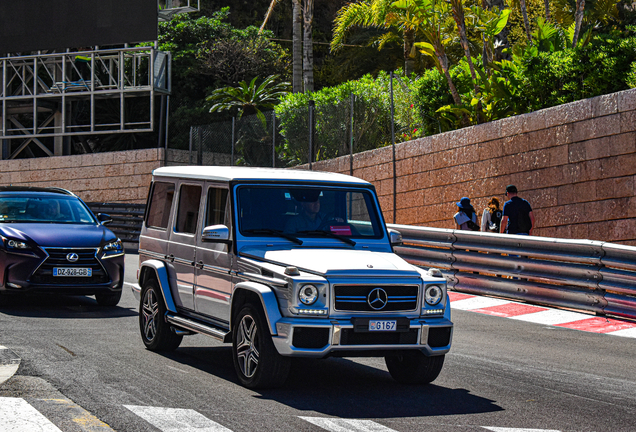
(382,325)
(72,271)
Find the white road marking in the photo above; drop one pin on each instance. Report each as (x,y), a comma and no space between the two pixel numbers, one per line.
(477,303)
(500,429)
(347,425)
(176,419)
(16,415)
(630,332)
(552,317)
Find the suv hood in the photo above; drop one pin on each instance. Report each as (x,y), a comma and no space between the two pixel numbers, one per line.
(335,262)
(58,235)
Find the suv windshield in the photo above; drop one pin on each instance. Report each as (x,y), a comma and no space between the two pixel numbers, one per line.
(43,209)
(307,212)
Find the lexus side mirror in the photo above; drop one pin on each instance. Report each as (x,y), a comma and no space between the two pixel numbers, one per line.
(104,218)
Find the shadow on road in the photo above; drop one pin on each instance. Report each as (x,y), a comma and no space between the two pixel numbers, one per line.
(60,306)
(344,388)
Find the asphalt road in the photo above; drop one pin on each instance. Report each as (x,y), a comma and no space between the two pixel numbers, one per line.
(500,373)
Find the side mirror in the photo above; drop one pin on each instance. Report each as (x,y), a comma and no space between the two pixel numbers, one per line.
(104,218)
(395,237)
(216,234)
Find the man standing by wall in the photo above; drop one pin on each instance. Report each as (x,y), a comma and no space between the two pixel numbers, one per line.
(518,217)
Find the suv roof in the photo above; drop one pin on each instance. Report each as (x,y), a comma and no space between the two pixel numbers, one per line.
(225,173)
(35,189)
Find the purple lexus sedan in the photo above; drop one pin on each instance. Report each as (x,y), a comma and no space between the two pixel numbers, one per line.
(50,242)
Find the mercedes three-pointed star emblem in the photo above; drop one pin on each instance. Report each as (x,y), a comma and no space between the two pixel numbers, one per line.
(377,298)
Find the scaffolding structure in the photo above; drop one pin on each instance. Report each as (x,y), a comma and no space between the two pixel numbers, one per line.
(47,98)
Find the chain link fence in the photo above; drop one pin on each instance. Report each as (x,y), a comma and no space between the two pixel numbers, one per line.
(300,136)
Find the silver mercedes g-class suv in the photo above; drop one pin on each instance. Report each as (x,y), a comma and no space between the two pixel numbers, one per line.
(282,264)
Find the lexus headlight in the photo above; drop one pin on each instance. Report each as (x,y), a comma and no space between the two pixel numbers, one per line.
(12,244)
(114,246)
(434,294)
(308,295)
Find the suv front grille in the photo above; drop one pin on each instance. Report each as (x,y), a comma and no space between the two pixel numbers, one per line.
(57,258)
(355,298)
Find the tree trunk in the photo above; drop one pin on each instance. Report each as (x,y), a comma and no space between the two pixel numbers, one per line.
(458,15)
(297,48)
(526,23)
(308,45)
(578,19)
(547,9)
(409,40)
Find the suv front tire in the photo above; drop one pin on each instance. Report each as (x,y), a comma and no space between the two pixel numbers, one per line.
(256,361)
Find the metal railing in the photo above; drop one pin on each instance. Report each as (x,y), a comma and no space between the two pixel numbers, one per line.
(127,218)
(592,276)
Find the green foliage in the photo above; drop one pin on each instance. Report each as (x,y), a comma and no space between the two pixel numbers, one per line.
(371,122)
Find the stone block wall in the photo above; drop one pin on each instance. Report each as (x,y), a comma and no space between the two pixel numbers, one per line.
(102,177)
(575,164)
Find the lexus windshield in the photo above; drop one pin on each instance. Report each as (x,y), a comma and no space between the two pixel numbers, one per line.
(307,212)
(30,208)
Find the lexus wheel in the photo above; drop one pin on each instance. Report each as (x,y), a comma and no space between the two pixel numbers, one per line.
(413,367)
(256,361)
(155,331)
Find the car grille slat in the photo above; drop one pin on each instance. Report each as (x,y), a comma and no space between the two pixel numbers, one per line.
(57,258)
(353,298)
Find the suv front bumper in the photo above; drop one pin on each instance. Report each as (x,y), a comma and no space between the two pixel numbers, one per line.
(339,337)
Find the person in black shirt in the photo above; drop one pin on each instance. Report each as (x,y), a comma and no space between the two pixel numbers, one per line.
(518,217)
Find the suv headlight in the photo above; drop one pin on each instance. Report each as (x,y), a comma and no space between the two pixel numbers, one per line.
(308,294)
(433,294)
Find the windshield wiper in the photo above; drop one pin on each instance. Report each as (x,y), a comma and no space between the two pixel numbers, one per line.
(330,234)
(278,233)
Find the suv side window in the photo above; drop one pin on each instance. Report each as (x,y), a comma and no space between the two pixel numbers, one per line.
(160,204)
(188,213)
(217,200)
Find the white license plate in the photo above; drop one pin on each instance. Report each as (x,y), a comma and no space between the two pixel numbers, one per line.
(382,325)
(65,271)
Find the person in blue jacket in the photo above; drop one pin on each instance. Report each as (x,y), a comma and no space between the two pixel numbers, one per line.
(518,217)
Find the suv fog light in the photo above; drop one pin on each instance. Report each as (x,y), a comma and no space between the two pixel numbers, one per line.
(433,295)
(308,295)
(434,311)
(312,311)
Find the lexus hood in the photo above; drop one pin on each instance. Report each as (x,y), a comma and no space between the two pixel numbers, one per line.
(59,235)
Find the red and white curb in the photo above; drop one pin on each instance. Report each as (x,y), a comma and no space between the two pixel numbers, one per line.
(541,315)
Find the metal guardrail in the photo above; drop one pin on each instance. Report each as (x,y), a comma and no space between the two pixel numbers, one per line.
(127,218)
(592,276)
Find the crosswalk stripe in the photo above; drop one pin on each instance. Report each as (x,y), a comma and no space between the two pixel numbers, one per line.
(347,425)
(500,429)
(16,415)
(176,419)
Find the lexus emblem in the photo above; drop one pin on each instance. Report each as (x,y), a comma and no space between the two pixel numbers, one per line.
(72,257)
(377,298)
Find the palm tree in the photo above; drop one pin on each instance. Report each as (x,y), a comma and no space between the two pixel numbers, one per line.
(375,14)
(457,8)
(308,45)
(589,15)
(249,98)
(429,19)
(297,57)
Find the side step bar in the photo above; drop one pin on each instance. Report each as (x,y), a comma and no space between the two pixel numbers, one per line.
(198,327)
